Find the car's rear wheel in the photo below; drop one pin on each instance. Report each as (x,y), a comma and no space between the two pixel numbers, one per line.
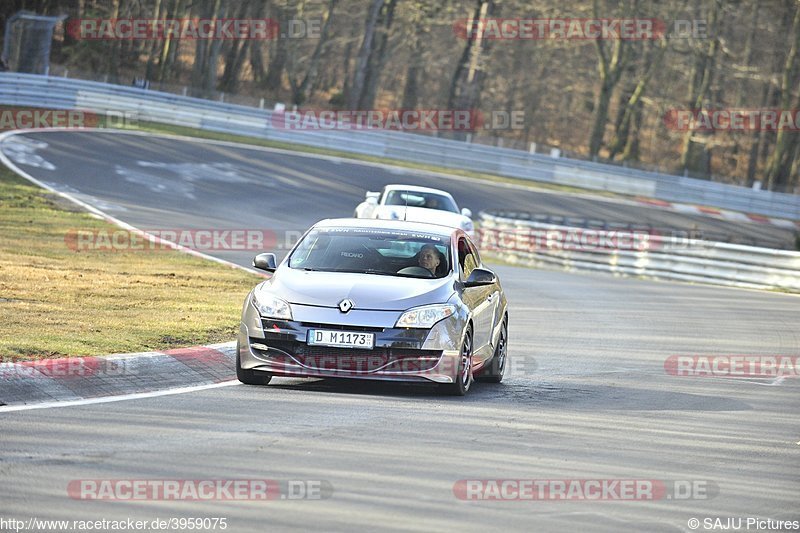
(250,377)
(497,366)
(463,378)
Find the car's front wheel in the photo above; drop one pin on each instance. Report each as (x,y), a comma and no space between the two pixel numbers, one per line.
(463,377)
(250,377)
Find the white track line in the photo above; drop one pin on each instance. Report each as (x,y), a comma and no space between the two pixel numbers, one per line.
(120,398)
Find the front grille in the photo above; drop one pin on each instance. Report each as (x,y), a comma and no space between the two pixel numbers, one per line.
(339,327)
(351,360)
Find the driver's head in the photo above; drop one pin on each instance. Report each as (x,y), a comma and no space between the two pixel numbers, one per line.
(429,257)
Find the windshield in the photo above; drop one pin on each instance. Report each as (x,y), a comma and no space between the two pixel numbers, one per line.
(369,251)
(427,200)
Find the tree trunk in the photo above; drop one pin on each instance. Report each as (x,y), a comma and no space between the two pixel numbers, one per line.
(278,55)
(467,81)
(301,90)
(610,70)
(694,155)
(204,70)
(413,71)
(632,110)
(169,49)
(113,54)
(780,162)
(210,72)
(153,49)
(234,52)
(356,93)
(377,57)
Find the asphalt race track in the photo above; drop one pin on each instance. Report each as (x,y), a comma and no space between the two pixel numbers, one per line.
(587,396)
(153,182)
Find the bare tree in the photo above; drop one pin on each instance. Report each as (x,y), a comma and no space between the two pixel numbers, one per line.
(356,94)
(610,65)
(468,79)
(781,161)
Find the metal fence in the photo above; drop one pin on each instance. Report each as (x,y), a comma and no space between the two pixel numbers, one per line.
(63,93)
(630,253)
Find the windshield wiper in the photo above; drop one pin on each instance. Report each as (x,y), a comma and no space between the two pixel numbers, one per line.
(412,276)
(379,272)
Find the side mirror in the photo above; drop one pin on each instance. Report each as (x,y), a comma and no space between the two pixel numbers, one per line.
(371,200)
(480,277)
(466,212)
(266,262)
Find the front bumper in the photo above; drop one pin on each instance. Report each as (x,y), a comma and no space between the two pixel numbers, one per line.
(416,355)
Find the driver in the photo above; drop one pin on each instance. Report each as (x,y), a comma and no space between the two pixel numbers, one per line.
(429,258)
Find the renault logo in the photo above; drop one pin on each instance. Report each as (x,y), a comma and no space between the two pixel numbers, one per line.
(346,305)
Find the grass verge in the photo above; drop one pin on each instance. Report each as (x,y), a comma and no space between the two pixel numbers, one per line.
(56,302)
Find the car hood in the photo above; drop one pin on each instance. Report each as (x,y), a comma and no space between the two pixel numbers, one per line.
(367,291)
(422,214)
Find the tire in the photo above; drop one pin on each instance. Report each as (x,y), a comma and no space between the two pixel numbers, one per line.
(250,377)
(464,374)
(493,373)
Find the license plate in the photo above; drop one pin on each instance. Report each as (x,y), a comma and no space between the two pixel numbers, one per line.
(341,339)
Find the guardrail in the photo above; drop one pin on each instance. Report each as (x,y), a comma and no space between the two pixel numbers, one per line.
(63,93)
(632,253)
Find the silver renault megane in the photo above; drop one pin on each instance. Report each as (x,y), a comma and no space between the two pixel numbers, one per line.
(376,299)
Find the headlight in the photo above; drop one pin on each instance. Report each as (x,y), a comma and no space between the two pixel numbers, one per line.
(269,306)
(425,316)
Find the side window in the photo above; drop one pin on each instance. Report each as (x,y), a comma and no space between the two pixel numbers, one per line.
(466,258)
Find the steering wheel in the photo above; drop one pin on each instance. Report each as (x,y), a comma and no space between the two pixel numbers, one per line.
(416,271)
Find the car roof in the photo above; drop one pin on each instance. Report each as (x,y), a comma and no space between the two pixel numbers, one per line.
(415,188)
(372,223)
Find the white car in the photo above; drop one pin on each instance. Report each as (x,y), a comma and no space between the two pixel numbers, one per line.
(415,204)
